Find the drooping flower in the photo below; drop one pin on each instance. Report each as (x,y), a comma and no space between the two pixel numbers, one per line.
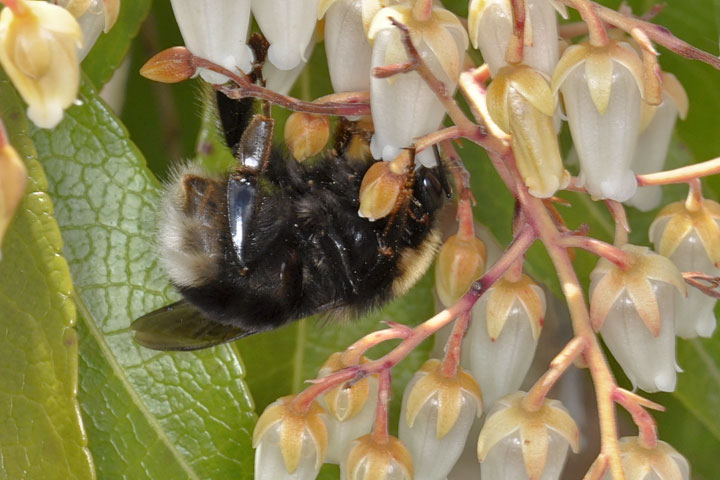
(503,335)
(94,17)
(346,44)
(520,101)
(351,409)
(403,106)
(216,30)
(370,460)
(521,444)
(654,140)
(288,25)
(38,51)
(660,463)
(436,416)
(289,444)
(602,89)
(490,24)
(634,310)
(688,233)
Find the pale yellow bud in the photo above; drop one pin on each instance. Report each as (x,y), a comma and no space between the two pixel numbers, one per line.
(169,66)
(461,261)
(306,134)
(38,51)
(379,191)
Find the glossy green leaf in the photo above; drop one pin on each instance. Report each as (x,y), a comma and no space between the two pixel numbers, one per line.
(148,412)
(111,48)
(42,434)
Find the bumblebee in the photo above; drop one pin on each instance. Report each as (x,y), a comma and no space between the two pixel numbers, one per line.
(273,240)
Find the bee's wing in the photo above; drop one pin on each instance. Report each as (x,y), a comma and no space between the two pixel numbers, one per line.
(180,326)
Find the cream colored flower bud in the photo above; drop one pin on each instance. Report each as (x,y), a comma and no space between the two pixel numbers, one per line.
(602,88)
(634,310)
(403,106)
(169,66)
(660,463)
(351,409)
(520,101)
(436,416)
(502,338)
(38,51)
(460,261)
(369,460)
(521,444)
(688,233)
(654,140)
(306,134)
(379,190)
(13,182)
(289,444)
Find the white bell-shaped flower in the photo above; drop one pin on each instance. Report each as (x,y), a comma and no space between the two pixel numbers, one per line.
(282,81)
(520,444)
(351,410)
(346,44)
(660,463)
(403,106)
(436,416)
(216,30)
(654,141)
(288,444)
(502,338)
(688,233)
(288,25)
(372,460)
(490,24)
(634,310)
(602,88)
(94,17)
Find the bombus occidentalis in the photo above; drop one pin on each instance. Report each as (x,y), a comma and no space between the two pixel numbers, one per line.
(274,240)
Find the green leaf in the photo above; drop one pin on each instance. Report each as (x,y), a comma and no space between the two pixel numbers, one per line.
(192,409)
(112,47)
(42,434)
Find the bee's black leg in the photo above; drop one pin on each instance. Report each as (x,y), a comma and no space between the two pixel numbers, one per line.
(441,172)
(255,148)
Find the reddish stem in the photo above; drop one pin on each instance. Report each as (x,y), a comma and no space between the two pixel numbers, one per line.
(602,249)
(454,346)
(682,174)
(646,424)
(380,428)
(622,227)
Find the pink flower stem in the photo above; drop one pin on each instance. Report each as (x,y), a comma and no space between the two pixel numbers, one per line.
(695,196)
(466,227)
(602,249)
(555,243)
(18,7)
(4,139)
(350,103)
(352,355)
(535,397)
(622,227)
(682,174)
(596,29)
(422,10)
(647,429)
(380,428)
(522,241)
(453,349)
(656,33)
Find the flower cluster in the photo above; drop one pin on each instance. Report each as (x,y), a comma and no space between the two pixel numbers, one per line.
(404,59)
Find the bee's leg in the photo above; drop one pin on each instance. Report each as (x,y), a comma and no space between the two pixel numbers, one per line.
(335,246)
(255,148)
(442,177)
(234,116)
